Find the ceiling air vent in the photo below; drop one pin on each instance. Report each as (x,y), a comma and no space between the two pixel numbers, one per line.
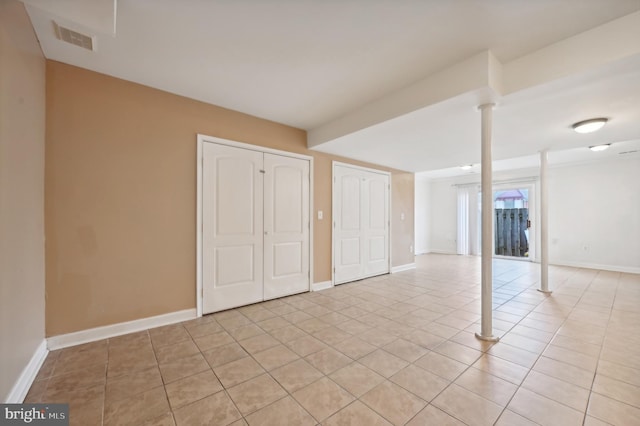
(74,37)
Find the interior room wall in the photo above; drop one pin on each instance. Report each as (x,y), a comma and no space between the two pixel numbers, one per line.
(22,133)
(422,215)
(121,197)
(594,213)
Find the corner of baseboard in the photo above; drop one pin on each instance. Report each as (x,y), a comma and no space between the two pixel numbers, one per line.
(28,375)
(323,285)
(401,268)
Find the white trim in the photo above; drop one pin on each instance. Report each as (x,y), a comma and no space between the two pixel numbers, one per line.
(21,386)
(401,268)
(587,265)
(333,213)
(113,330)
(437,251)
(201,139)
(323,285)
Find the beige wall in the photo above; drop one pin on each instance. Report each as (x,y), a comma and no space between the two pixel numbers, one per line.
(121,196)
(22,119)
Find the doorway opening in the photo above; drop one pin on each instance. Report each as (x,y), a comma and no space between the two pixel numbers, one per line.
(512,222)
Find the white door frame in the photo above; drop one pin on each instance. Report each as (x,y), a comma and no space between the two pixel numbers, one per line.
(333,211)
(532,186)
(201,140)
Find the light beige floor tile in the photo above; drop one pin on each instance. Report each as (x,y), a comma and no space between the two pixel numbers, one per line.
(467,406)
(592,421)
(577,345)
(619,372)
(405,349)
(217,409)
(238,371)
(258,343)
(296,375)
(137,409)
(543,410)
(470,340)
(565,372)
(256,393)
(356,378)
(425,339)
(356,348)
(393,403)
(129,385)
(513,354)
(171,353)
(296,317)
(203,329)
(78,379)
(377,337)
(420,382)
(286,410)
(164,420)
(356,414)
(168,335)
(353,326)
(328,360)
(487,386)
(275,357)
(574,358)
(306,345)
(332,336)
(458,352)
(224,354)
(288,333)
(383,363)
(557,390)
(431,415)
(246,331)
(509,418)
(210,341)
(441,365)
(612,411)
(192,388)
(502,368)
(613,389)
(323,398)
(523,342)
(183,367)
(273,324)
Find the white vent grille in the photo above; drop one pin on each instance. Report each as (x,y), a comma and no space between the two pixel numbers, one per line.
(74,37)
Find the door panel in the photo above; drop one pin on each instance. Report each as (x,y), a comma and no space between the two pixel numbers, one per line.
(376,233)
(286,232)
(361,228)
(232,227)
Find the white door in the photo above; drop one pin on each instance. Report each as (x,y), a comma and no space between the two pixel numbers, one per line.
(286,226)
(361,223)
(232,240)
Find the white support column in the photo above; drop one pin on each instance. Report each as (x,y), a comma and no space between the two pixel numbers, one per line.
(544,221)
(486,333)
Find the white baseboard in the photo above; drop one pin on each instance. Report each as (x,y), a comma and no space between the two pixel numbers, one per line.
(28,375)
(113,330)
(323,285)
(587,265)
(436,251)
(401,268)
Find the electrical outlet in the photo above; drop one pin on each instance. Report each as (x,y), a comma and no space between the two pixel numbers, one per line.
(320,214)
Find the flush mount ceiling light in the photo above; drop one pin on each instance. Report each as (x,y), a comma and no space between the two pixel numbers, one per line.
(597,148)
(466,167)
(588,126)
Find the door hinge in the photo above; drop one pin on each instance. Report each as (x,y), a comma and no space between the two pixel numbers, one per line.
(262,171)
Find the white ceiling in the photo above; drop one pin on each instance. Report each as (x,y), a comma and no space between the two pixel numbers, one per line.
(312,64)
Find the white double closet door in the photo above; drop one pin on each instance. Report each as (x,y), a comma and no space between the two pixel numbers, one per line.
(361,223)
(255,242)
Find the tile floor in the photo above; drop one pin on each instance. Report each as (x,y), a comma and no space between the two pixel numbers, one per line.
(396,349)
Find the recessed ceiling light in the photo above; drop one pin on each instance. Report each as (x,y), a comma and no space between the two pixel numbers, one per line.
(597,148)
(588,126)
(466,167)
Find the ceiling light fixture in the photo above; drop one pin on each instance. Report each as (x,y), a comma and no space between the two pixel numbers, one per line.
(602,147)
(466,167)
(588,126)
